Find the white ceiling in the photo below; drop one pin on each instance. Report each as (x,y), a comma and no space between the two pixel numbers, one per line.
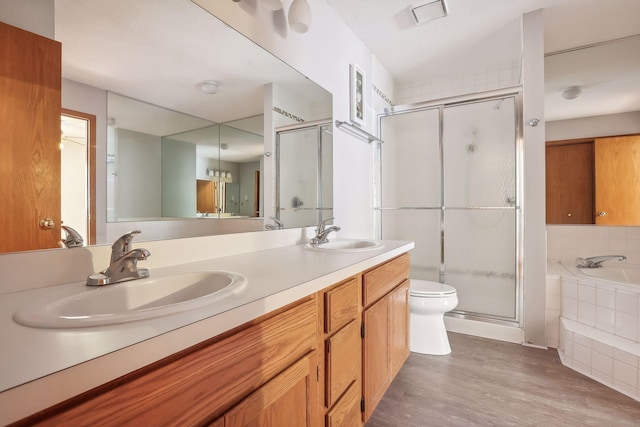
(409,52)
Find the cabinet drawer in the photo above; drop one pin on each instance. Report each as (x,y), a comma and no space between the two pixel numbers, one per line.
(341,305)
(343,355)
(382,279)
(347,410)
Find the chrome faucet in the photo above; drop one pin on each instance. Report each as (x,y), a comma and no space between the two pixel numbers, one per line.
(279,225)
(73,239)
(124,263)
(322,232)
(596,261)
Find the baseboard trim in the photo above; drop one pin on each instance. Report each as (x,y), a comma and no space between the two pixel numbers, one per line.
(484,329)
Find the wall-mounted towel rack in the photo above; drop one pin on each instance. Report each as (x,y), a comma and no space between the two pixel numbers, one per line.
(355,130)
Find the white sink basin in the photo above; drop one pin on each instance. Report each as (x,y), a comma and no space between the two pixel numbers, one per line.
(346,245)
(132,300)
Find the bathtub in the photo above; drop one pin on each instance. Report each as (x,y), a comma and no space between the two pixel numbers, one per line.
(599,332)
(625,274)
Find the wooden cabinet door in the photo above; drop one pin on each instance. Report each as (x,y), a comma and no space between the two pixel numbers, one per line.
(342,357)
(398,327)
(618,180)
(570,183)
(30,89)
(288,400)
(346,413)
(375,354)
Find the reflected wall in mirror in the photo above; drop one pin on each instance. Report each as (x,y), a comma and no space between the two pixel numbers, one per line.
(164,164)
(162,55)
(592,160)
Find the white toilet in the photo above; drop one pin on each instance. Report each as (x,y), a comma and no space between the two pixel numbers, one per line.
(429,301)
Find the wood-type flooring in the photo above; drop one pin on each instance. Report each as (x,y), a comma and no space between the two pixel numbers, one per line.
(485,382)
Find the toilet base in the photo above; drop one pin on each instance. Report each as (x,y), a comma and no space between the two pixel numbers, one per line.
(428,335)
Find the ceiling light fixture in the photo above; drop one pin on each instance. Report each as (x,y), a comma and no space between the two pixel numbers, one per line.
(572,93)
(429,11)
(300,16)
(209,86)
(273,4)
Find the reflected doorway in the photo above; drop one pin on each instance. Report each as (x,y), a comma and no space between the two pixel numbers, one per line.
(77,174)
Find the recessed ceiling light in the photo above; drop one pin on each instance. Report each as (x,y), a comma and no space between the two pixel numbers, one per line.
(429,11)
(572,93)
(209,86)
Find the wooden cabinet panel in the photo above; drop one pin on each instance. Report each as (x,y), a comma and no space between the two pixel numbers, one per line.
(346,413)
(378,282)
(285,401)
(217,423)
(376,374)
(341,305)
(343,360)
(399,327)
(201,385)
(570,183)
(30,89)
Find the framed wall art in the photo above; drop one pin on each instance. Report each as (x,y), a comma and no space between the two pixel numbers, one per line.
(357,81)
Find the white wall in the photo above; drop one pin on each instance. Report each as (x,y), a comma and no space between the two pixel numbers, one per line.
(587,127)
(323,54)
(492,63)
(535,258)
(36,16)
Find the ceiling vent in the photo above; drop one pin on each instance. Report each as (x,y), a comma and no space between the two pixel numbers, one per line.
(429,11)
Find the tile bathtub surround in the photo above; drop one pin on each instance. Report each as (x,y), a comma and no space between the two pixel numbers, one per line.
(611,360)
(567,242)
(599,329)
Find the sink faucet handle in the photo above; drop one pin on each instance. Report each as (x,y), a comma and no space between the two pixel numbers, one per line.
(322,224)
(122,245)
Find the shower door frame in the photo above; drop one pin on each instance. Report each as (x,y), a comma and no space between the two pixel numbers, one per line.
(440,105)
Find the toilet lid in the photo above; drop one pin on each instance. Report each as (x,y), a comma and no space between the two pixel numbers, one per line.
(429,289)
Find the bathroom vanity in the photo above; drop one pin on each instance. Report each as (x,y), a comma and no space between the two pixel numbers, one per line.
(321,352)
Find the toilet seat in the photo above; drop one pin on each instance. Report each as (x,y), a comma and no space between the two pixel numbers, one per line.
(424,289)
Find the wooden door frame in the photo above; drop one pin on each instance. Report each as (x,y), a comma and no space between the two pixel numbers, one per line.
(91,166)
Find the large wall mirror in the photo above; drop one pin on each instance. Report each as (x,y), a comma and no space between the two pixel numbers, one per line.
(192,107)
(592,155)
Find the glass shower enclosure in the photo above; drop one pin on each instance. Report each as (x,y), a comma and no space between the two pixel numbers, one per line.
(304,173)
(450,181)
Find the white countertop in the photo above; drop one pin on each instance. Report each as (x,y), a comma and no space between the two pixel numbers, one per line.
(41,367)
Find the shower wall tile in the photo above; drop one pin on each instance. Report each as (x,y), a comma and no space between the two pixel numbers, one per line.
(499,76)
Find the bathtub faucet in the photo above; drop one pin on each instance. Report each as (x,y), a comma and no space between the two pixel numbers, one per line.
(596,261)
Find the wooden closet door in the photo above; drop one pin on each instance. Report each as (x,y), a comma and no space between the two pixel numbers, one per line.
(570,183)
(618,180)
(30,106)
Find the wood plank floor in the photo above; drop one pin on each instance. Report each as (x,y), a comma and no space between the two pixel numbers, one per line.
(492,383)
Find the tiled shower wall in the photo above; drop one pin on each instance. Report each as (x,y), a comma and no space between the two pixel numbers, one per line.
(502,75)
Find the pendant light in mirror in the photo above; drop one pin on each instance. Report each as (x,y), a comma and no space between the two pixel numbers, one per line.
(300,16)
(273,4)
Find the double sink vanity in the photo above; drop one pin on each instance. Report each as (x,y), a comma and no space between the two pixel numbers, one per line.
(277,329)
